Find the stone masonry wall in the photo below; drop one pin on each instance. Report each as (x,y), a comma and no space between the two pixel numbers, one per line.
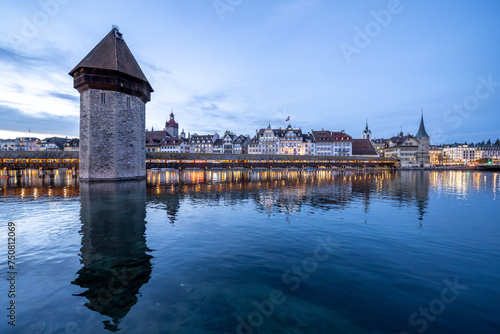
(112,136)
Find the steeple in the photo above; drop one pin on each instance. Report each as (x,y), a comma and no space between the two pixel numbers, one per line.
(366,132)
(421,130)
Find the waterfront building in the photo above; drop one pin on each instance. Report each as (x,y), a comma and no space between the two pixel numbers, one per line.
(413,151)
(363,148)
(154,140)
(422,156)
(202,143)
(330,143)
(436,155)
(52,144)
(379,144)
(324,141)
(268,141)
(240,145)
(342,144)
(7,144)
(488,152)
(404,148)
(253,145)
(290,141)
(72,145)
(175,145)
(227,142)
(265,141)
(27,144)
(218,146)
(113,96)
(308,144)
(459,154)
(282,141)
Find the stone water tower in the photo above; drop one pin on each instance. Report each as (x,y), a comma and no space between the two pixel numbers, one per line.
(113,96)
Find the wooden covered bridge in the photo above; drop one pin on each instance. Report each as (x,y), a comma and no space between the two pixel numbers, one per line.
(57,159)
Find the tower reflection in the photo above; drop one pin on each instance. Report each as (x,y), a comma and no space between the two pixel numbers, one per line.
(115,258)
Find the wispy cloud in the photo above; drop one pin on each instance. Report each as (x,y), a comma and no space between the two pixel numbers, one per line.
(14,119)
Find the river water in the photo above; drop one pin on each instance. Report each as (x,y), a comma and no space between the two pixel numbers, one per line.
(253,252)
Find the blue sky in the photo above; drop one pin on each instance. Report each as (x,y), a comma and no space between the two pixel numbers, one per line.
(239,64)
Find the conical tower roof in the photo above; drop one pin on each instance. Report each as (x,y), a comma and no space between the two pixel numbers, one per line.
(421,130)
(111,66)
(112,53)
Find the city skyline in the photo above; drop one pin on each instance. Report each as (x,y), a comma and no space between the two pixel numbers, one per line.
(239,65)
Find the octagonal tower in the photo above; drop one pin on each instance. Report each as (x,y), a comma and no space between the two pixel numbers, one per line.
(113,96)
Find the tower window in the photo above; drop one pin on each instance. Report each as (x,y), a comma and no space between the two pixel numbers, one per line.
(103,98)
(128,102)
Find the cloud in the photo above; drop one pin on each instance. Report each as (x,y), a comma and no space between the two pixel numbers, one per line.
(65,96)
(15,120)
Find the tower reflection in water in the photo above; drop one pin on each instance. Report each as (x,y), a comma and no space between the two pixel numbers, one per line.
(115,258)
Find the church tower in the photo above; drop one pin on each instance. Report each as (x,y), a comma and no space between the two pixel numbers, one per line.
(367,134)
(113,96)
(424,143)
(171,126)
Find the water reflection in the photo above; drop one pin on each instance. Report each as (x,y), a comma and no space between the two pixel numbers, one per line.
(281,192)
(115,258)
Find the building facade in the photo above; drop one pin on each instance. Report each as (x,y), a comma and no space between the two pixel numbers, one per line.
(202,143)
(27,144)
(7,144)
(436,155)
(290,141)
(154,140)
(379,144)
(52,144)
(404,148)
(227,142)
(459,154)
(175,145)
(335,144)
(240,145)
(491,152)
(72,145)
